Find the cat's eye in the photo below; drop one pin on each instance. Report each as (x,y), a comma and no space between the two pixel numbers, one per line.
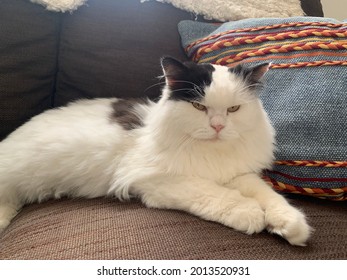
(199,106)
(233,109)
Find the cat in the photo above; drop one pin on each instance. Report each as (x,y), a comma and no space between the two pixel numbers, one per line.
(200,148)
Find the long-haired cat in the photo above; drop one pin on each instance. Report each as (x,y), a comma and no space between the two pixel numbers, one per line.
(199,149)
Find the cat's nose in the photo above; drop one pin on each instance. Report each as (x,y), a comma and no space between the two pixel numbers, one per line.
(217,127)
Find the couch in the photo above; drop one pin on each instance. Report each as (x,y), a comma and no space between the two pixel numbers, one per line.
(112,48)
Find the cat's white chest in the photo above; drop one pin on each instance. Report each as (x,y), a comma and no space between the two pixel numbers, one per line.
(216,165)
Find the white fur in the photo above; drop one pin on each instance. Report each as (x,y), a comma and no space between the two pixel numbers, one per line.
(229,10)
(223,10)
(60,5)
(177,160)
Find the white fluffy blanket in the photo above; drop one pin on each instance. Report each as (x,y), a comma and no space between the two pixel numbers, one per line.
(228,10)
(60,5)
(223,10)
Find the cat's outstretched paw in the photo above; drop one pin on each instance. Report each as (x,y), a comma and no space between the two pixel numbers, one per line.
(247,217)
(289,223)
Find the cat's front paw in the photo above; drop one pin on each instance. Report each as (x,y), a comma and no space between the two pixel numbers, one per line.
(289,223)
(247,217)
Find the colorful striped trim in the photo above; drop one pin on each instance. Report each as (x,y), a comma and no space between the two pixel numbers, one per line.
(250,47)
(237,41)
(296,64)
(268,27)
(309,64)
(336,194)
(283,49)
(312,163)
(305,179)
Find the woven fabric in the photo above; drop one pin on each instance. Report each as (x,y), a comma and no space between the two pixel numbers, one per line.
(98,43)
(107,229)
(305,94)
(222,10)
(28,51)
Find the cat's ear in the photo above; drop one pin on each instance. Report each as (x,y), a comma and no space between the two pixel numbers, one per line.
(252,76)
(257,72)
(174,70)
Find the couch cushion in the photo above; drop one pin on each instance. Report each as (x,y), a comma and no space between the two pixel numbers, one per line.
(113,48)
(28,51)
(107,229)
(305,93)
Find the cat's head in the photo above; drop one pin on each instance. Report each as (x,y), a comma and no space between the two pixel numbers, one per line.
(212,102)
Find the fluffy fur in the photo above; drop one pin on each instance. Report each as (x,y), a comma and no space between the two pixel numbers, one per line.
(228,10)
(60,5)
(199,149)
(222,10)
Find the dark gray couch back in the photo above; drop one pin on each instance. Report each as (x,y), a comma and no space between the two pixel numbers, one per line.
(106,48)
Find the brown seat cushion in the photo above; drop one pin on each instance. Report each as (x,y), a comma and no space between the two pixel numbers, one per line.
(107,229)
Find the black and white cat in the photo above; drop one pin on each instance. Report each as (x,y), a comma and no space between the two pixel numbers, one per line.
(200,149)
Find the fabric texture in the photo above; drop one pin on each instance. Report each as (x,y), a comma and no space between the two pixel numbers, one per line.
(225,10)
(60,5)
(104,228)
(250,7)
(102,55)
(28,63)
(107,229)
(305,93)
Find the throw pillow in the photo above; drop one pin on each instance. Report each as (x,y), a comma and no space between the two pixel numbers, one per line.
(305,93)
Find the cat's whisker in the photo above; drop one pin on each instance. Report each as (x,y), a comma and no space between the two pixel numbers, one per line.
(183,81)
(182,89)
(193,92)
(195,86)
(198,90)
(154,85)
(246,87)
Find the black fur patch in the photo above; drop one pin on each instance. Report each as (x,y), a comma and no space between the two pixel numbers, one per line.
(252,76)
(187,80)
(124,113)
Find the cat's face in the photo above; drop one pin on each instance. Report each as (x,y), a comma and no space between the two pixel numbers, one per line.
(212,102)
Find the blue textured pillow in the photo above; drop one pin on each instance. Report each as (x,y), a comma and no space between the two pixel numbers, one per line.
(305,94)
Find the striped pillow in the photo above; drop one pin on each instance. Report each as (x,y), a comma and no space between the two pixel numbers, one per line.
(305,94)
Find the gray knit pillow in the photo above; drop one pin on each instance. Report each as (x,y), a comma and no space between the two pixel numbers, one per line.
(305,93)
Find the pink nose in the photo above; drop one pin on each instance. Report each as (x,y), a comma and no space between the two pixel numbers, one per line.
(217,127)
